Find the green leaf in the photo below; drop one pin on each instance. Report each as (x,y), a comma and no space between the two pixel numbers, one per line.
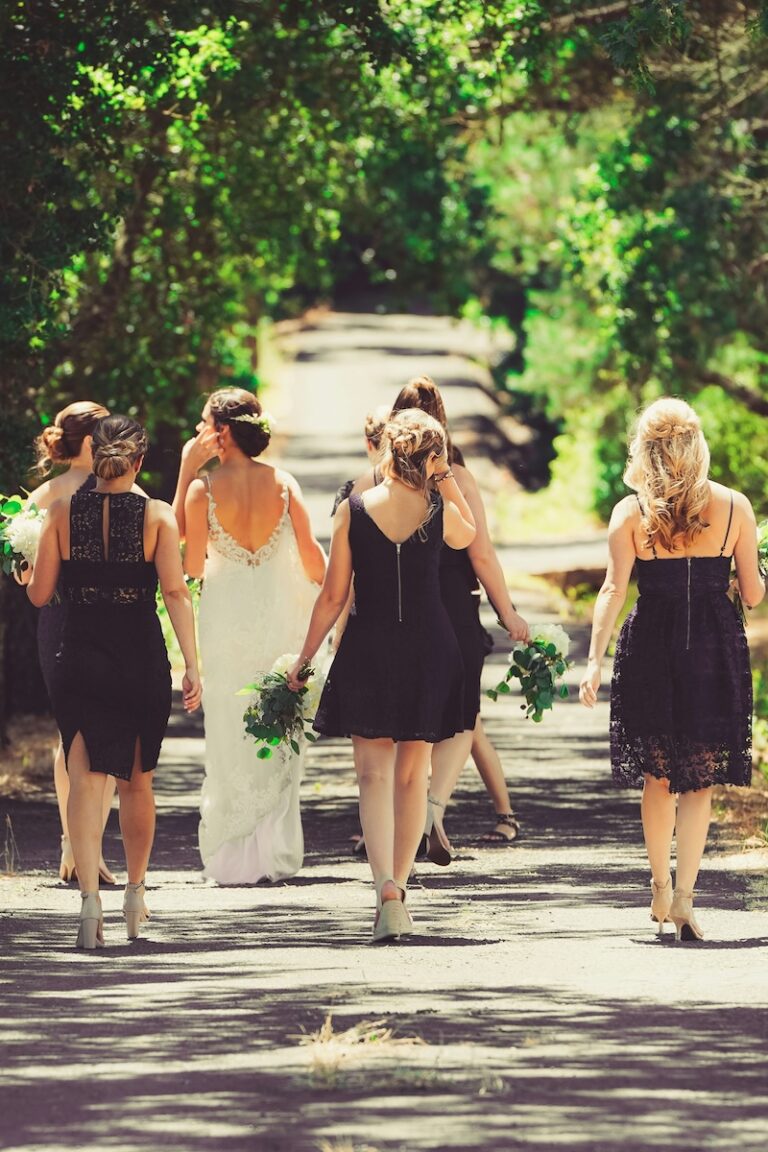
(295,747)
(503,689)
(12,506)
(492,694)
(264,753)
(563,692)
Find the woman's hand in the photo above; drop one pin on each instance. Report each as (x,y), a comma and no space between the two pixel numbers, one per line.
(198,451)
(192,690)
(518,628)
(590,684)
(295,681)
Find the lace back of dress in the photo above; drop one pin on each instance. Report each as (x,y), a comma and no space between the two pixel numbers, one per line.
(125,542)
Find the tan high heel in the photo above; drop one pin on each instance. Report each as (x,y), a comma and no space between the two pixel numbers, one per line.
(105,874)
(67,870)
(681,915)
(435,849)
(661,902)
(134,909)
(90,933)
(392,918)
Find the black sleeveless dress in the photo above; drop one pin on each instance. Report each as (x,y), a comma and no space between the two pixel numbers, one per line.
(681,694)
(111,679)
(460,590)
(50,622)
(398,672)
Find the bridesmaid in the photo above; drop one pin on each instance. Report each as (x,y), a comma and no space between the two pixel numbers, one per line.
(395,685)
(681,693)
(460,572)
(111,684)
(66,443)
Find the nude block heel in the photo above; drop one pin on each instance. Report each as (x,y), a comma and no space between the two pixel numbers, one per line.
(90,933)
(133,909)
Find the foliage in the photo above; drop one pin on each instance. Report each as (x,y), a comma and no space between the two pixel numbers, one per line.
(280,716)
(538,665)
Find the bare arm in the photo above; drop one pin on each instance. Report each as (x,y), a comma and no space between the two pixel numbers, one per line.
(311,553)
(611,597)
(195,454)
(458,521)
(486,563)
(45,575)
(333,594)
(751,583)
(177,600)
(196,520)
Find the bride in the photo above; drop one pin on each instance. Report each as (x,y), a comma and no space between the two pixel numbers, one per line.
(248,533)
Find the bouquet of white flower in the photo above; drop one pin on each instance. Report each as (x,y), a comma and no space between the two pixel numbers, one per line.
(20,526)
(538,665)
(279,715)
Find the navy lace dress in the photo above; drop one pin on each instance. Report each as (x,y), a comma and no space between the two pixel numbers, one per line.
(111,680)
(681,695)
(398,672)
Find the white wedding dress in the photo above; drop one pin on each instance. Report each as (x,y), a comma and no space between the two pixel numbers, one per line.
(254,608)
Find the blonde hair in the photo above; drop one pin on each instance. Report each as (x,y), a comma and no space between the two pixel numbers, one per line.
(63,440)
(375,423)
(668,467)
(424,394)
(118,442)
(409,439)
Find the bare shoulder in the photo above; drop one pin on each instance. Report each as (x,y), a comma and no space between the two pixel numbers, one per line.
(198,490)
(342,517)
(160,513)
(285,480)
(626,513)
(44,495)
(464,478)
(58,510)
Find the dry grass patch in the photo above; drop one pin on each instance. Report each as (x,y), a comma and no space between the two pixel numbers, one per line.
(330,1052)
(26,761)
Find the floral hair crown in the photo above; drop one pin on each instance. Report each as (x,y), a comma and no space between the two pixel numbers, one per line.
(264,422)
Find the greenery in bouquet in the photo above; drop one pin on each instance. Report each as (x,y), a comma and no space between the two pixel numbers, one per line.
(762,561)
(20,526)
(279,716)
(538,665)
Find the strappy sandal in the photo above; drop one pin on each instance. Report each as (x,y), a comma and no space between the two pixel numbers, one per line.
(495,837)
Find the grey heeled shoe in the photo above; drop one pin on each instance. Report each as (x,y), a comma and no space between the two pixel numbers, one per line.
(681,915)
(90,933)
(661,902)
(134,909)
(392,918)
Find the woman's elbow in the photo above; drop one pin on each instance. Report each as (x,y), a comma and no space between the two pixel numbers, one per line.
(753,595)
(37,596)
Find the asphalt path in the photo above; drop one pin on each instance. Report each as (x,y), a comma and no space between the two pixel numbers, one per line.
(534,1009)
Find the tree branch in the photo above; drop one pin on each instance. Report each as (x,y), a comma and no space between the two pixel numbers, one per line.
(752,399)
(589,16)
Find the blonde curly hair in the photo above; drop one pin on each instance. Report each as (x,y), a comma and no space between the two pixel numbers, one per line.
(668,467)
(408,440)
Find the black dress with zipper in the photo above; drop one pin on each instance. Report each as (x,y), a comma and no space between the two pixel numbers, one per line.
(681,694)
(398,672)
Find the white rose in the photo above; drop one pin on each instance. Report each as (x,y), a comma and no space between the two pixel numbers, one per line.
(552,634)
(23,533)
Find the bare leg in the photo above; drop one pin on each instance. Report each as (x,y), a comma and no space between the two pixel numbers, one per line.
(61,783)
(84,811)
(488,765)
(411,769)
(657,809)
(448,759)
(375,768)
(137,819)
(693,814)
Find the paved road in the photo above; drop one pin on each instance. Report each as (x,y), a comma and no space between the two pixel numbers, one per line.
(534,1010)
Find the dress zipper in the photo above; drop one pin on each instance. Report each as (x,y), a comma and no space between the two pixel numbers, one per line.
(688,624)
(399,588)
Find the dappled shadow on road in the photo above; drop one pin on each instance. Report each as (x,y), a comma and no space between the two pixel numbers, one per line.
(181,1044)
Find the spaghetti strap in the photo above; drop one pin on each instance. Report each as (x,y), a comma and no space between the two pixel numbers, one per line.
(728,529)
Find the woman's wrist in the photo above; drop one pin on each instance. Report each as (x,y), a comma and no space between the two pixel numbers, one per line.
(441,477)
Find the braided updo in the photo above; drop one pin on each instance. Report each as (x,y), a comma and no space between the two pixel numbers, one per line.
(118,442)
(409,439)
(62,441)
(241,412)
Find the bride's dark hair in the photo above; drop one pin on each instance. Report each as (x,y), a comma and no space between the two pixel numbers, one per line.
(241,412)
